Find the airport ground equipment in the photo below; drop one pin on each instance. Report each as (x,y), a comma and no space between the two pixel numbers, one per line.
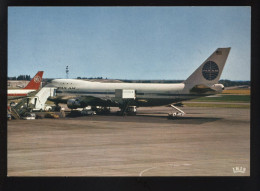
(9,116)
(41,97)
(20,109)
(175,114)
(99,109)
(124,94)
(88,112)
(36,102)
(29,116)
(14,113)
(125,97)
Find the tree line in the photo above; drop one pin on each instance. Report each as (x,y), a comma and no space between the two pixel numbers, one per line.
(21,77)
(90,78)
(228,83)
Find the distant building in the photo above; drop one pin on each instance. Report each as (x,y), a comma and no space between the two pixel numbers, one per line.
(16,84)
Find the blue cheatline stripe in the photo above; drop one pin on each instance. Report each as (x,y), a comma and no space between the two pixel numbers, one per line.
(78,92)
(112,93)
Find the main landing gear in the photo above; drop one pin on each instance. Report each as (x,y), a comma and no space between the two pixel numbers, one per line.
(101,110)
(126,109)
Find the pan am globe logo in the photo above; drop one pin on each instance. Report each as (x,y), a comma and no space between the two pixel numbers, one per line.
(210,70)
(37,79)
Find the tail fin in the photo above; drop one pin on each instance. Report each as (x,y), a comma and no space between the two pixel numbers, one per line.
(209,72)
(35,83)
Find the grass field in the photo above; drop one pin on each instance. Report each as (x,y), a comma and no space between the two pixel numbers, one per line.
(225,98)
(217,105)
(237,91)
(230,97)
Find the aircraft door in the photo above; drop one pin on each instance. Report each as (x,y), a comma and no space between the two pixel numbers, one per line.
(54,92)
(107,96)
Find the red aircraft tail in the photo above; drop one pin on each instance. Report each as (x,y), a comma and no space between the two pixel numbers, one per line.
(35,83)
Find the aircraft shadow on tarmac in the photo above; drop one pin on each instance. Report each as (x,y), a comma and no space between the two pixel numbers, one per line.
(179,120)
(148,118)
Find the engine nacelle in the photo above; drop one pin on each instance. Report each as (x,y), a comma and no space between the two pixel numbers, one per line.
(218,87)
(73,103)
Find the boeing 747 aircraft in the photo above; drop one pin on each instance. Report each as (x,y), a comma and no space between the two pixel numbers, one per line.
(202,82)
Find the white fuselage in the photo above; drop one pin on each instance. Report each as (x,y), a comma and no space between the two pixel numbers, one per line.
(143,91)
(18,93)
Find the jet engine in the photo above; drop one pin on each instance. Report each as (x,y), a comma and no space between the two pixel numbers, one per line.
(215,88)
(218,87)
(73,103)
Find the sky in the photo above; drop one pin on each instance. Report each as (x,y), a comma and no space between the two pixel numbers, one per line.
(166,43)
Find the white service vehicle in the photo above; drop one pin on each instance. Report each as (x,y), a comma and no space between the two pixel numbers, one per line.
(29,116)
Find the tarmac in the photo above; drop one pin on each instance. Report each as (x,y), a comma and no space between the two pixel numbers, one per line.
(204,142)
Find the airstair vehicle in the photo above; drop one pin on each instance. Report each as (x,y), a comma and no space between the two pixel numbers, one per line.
(39,100)
(125,97)
(35,103)
(176,114)
(22,107)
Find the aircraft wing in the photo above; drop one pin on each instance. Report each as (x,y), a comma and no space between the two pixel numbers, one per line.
(82,101)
